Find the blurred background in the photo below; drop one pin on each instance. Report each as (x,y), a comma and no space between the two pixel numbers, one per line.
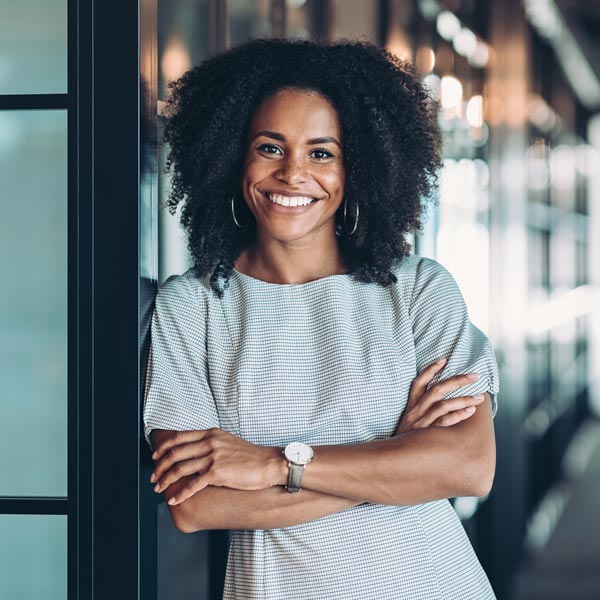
(517,222)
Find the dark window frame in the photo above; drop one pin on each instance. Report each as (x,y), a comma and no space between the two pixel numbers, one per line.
(103,401)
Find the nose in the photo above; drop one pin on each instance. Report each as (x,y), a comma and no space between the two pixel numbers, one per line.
(292,171)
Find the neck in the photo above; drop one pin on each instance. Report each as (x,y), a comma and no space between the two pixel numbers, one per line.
(291,262)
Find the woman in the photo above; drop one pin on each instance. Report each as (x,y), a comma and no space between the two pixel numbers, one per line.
(283,361)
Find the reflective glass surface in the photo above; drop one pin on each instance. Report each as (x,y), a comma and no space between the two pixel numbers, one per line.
(33,305)
(33,557)
(183,39)
(33,46)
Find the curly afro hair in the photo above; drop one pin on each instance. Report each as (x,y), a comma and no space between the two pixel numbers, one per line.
(391,146)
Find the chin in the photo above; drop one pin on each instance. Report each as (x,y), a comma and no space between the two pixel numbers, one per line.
(286,231)
(287,235)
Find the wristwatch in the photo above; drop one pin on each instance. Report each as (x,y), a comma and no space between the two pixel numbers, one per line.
(298,456)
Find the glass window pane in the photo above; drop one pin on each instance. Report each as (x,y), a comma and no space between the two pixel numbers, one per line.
(183,39)
(33,557)
(33,303)
(33,46)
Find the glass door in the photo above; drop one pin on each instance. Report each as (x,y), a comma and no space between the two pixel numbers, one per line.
(34,509)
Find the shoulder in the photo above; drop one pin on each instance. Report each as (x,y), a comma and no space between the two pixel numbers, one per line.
(414,272)
(417,266)
(425,282)
(185,288)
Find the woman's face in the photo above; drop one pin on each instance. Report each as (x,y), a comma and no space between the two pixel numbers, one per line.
(294,156)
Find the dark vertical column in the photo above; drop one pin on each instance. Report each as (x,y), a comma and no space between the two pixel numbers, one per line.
(383,21)
(220,30)
(115,391)
(80,251)
(321,15)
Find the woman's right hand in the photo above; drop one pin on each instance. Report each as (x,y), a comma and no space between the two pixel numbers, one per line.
(426,407)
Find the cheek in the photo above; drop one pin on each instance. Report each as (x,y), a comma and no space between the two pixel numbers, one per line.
(252,171)
(252,175)
(334,180)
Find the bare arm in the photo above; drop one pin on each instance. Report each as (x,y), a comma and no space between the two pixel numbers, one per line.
(265,504)
(226,508)
(418,466)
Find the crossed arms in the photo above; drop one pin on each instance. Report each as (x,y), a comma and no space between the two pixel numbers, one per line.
(212,479)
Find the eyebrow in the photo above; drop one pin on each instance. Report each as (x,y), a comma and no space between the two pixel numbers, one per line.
(281,138)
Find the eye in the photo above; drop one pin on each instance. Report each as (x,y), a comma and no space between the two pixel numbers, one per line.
(268,147)
(324,153)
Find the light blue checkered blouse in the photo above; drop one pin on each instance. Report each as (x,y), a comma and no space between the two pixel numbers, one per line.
(325,362)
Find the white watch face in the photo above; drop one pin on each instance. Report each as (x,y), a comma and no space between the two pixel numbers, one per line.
(298,453)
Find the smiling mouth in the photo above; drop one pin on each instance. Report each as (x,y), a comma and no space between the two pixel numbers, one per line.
(290,200)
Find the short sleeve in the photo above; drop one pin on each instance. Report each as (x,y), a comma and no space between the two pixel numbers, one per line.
(442,329)
(177,393)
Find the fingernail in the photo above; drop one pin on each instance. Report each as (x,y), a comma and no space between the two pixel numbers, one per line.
(470,409)
(171,501)
(441,361)
(154,454)
(157,487)
(472,376)
(152,478)
(479,397)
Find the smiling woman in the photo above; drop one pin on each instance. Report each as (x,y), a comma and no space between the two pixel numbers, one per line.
(293,184)
(231,119)
(310,385)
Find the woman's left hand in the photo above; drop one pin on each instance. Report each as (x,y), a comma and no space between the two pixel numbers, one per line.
(216,458)
(426,407)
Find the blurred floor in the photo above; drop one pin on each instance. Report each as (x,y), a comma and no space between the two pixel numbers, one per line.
(569,565)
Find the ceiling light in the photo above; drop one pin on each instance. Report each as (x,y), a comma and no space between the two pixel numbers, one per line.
(450,92)
(465,42)
(475,111)
(447,25)
(480,56)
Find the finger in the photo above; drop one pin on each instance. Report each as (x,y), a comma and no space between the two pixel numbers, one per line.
(180,437)
(439,390)
(445,407)
(193,487)
(455,417)
(178,454)
(424,378)
(181,469)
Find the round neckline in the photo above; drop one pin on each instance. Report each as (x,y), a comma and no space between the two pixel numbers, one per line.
(288,285)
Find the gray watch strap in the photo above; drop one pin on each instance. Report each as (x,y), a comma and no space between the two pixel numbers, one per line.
(295,477)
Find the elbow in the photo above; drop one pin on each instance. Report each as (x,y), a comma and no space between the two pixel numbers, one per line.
(480,477)
(482,486)
(182,520)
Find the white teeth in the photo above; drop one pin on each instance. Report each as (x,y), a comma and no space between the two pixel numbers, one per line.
(290,200)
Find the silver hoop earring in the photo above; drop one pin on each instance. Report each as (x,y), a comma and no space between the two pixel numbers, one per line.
(233,213)
(356,219)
